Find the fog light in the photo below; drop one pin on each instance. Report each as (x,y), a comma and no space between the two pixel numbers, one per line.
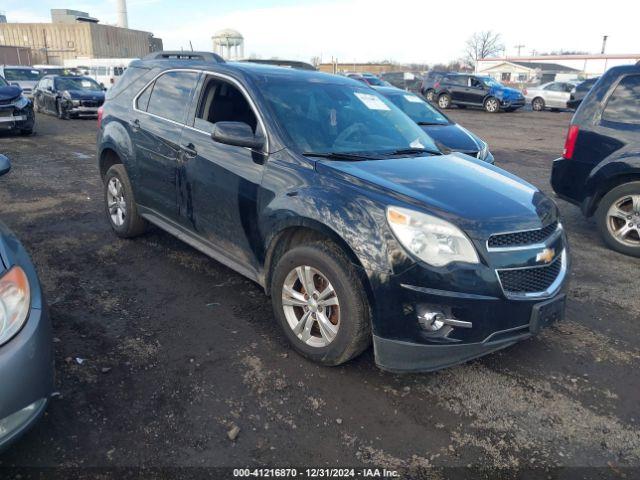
(13,423)
(432,321)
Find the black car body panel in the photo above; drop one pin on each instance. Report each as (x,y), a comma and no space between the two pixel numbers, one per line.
(26,360)
(606,153)
(16,111)
(236,203)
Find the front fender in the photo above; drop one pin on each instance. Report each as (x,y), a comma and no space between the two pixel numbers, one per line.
(354,219)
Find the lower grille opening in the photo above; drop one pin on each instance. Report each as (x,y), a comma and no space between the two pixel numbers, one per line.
(530,280)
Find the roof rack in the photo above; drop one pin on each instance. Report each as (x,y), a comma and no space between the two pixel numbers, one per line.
(185,55)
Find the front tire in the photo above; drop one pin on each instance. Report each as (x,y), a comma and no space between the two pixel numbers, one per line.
(430,95)
(120,205)
(444,101)
(492,105)
(61,114)
(320,302)
(537,104)
(618,219)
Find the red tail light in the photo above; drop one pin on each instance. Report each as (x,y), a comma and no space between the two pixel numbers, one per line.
(100,116)
(524,91)
(436,85)
(570,142)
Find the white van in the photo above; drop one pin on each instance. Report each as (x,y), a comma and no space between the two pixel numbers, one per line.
(105,71)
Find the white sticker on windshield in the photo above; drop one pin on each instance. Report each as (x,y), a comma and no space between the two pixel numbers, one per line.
(371,101)
(412,99)
(416,144)
(35,72)
(86,83)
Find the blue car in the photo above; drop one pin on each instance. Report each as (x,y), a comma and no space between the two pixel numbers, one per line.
(344,210)
(465,90)
(26,353)
(447,135)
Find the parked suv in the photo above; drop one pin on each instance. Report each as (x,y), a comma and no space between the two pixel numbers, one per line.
(600,166)
(323,192)
(465,90)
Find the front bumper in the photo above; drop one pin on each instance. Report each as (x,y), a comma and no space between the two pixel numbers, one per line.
(13,118)
(479,312)
(80,108)
(512,103)
(26,376)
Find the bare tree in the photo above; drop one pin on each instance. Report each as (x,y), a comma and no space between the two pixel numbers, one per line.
(482,45)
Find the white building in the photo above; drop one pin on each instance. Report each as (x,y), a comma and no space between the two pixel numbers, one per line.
(546,68)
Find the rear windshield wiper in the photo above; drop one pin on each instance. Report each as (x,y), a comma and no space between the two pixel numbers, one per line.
(338,155)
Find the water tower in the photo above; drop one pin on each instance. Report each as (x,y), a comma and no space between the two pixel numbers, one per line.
(229,44)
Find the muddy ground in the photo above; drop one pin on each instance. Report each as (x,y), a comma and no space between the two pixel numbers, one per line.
(179,348)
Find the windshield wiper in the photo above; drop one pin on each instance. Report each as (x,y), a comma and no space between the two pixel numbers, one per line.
(432,123)
(413,151)
(338,155)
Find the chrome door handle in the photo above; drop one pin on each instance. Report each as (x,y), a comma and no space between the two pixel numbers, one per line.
(189,150)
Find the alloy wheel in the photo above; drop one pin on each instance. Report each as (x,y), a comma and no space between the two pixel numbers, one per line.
(623,220)
(430,95)
(537,105)
(443,102)
(116,202)
(492,105)
(311,306)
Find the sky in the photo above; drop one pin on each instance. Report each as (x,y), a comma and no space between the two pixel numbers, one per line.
(407,31)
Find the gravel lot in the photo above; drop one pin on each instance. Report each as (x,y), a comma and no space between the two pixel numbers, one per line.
(179,349)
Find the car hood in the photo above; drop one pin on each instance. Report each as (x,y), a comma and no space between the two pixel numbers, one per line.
(9,93)
(480,198)
(453,137)
(85,95)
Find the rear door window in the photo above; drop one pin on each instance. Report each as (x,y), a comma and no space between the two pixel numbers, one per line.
(623,105)
(171,95)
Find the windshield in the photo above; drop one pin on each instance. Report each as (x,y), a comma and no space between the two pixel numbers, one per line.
(77,83)
(418,110)
(490,82)
(339,118)
(18,74)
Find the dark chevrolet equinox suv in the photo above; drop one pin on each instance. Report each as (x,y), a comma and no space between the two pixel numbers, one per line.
(322,191)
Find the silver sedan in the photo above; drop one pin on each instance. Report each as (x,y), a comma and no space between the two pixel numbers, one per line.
(549,95)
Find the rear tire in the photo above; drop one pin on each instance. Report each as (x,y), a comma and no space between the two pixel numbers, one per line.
(322,266)
(537,104)
(430,95)
(120,205)
(618,219)
(444,101)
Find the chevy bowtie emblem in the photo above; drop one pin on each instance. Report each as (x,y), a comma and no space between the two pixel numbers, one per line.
(546,256)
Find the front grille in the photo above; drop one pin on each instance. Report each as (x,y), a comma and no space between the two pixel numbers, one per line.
(530,279)
(8,101)
(90,103)
(518,239)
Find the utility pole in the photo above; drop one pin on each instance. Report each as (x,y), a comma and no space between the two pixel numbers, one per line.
(604,43)
(519,47)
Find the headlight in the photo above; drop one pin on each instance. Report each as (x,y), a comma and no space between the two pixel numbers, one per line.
(431,239)
(22,102)
(14,303)
(75,103)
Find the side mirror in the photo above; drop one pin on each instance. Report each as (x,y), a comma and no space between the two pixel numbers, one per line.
(239,134)
(5,165)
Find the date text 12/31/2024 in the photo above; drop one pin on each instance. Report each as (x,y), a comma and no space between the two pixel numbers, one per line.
(315,473)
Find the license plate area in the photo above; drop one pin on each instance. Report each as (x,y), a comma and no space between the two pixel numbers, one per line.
(547,313)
